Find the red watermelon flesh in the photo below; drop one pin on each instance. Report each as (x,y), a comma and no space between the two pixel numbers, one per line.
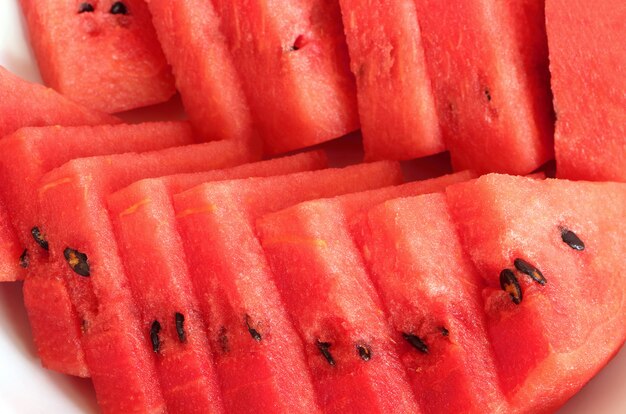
(587,61)
(12,259)
(433,296)
(118,352)
(206,76)
(25,156)
(488,65)
(160,280)
(565,331)
(28,104)
(310,245)
(396,105)
(293,61)
(106,56)
(259,356)
(28,154)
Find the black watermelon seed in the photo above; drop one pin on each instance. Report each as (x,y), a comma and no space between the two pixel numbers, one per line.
(24,259)
(324,348)
(444,331)
(39,238)
(78,261)
(364,352)
(416,342)
(253,332)
(534,273)
(572,240)
(180,326)
(119,8)
(154,336)
(509,283)
(85,8)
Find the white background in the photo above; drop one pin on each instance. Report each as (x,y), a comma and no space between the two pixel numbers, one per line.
(26,388)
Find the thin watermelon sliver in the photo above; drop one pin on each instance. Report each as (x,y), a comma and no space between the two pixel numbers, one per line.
(488,63)
(119,360)
(396,104)
(245,321)
(206,76)
(28,104)
(573,324)
(294,66)
(431,290)
(25,156)
(587,61)
(160,279)
(328,294)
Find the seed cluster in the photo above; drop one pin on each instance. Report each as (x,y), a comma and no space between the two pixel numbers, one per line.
(508,280)
(117,8)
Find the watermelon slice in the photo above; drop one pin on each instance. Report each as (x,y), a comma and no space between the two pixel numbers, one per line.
(160,280)
(27,104)
(245,321)
(83,253)
(587,58)
(294,66)
(396,105)
(354,364)
(102,54)
(433,296)
(546,251)
(205,73)
(28,154)
(488,62)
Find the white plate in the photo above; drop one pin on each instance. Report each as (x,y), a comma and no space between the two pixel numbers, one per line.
(26,388)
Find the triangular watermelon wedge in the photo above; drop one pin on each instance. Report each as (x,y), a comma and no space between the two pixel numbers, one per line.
(327,291)
(258,354)
(160,280)
(549,254)
(27,104)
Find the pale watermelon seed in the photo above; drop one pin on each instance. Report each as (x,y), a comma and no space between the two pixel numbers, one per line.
(253,332)
(526,268)
(85,8)
(364,352)
(154,336)
(509,283)
(24,259)
(180,330)
(39,238)
(324,348)
(119,8)
(78,261)
(416,342)
(572,240)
